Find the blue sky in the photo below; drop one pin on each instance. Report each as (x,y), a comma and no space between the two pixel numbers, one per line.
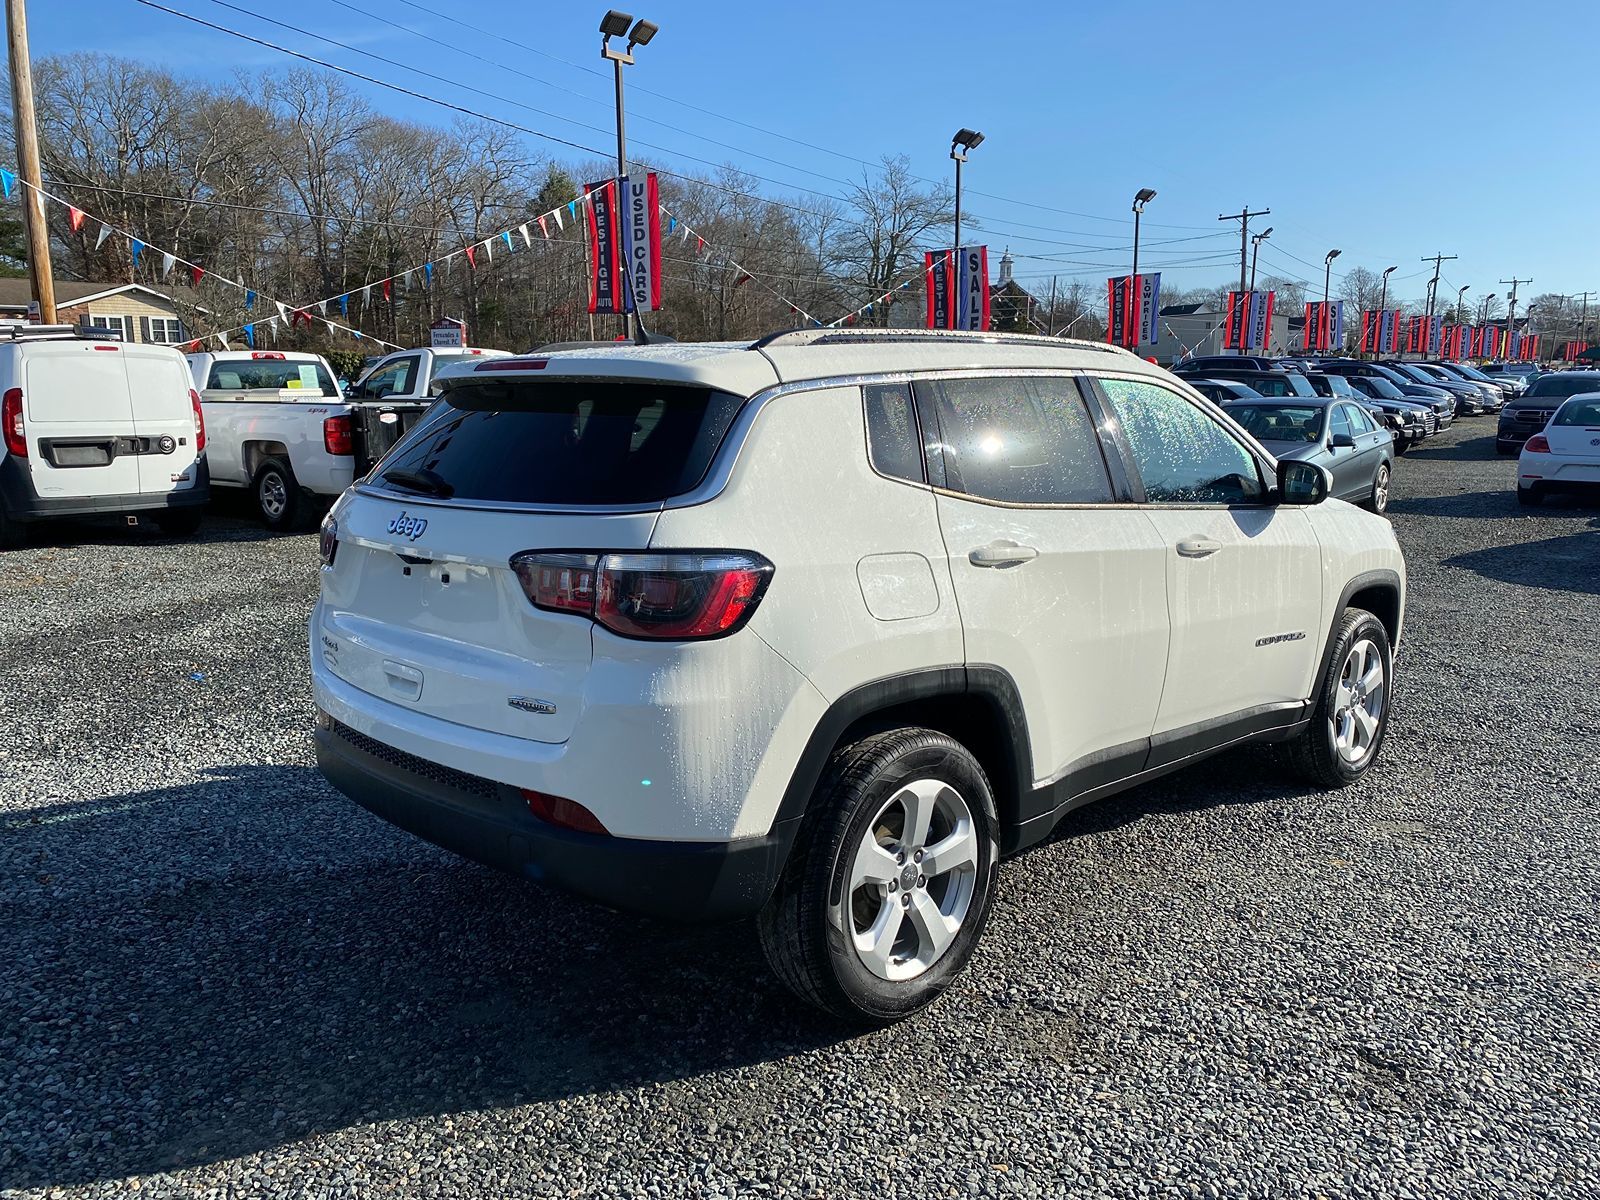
(1388,130)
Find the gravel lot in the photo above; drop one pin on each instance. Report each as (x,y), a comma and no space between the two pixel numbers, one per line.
(218,977)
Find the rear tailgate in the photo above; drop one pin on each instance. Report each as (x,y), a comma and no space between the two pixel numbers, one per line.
(380,424)
(421,608)
(79,417)
(163,414)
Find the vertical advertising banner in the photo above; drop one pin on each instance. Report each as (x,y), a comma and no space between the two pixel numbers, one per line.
(940,312)
(972,282)
(1435,334)
(605,275)
(1260,319)
(1324,329)
(1146,307)
(1388,319)
(1233,332)
(641,242)
(1119,304)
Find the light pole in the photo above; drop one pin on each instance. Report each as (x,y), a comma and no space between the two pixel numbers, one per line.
(1460,293)
(1383,302)
(620,24)
(1326,332)
(964,142)
(1255,248)
(1140,198)
(1483,309)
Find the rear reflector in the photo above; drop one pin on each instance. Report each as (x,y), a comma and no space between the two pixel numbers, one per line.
(568,814)
(684,596)
(11,421)
(108,347)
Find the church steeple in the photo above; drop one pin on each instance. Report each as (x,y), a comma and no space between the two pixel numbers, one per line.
(1005,267)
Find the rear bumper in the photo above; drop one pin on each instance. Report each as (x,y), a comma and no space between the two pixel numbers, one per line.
(490,823)
(22,503)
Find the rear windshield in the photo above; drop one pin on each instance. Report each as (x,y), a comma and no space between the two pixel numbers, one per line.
(1578,412)
(1562,385)
(525,442)
(273,374)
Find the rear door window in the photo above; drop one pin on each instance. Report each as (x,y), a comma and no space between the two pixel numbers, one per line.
(1024,440)
(1340,423)
(563,442)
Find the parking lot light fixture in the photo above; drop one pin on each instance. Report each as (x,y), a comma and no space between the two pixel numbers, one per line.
(1255,248)
(1483,310)
(1461,293)
(617,24)
(965,141)
(1140,198)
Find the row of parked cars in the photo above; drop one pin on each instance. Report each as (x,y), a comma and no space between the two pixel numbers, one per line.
(95,426)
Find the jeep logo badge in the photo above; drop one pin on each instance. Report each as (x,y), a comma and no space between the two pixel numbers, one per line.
(408,527)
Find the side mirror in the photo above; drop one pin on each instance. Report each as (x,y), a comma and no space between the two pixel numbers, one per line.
(1342,441)
(1301,482)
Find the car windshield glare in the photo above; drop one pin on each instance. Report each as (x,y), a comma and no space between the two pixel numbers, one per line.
(1279,422)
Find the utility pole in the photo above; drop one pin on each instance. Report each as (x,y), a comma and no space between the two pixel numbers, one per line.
(1052,323)
(1583,321)
(1243,217)
(1511,308)
(44,285)
(1438,260)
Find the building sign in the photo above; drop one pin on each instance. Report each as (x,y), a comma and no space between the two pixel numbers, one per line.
(447,333)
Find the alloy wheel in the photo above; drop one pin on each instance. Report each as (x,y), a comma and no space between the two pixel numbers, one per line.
(1358,702)
(912,880)
(274,495)
(1380,489)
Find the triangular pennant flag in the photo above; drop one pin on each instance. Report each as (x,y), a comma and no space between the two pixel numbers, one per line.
(250,336)
(409,279)
(272,325)
(366,296)
(572,207)
(527,240)
(544,229)
(507,235)
(427,275)
(105,232)
(472,258)
(684,236)
(222,341)
(356,333)
(700,244)
(166,263)
(329,324)
(249,300)
(672,223)
(197,274)
(283,310)
(136,247)
(322,307)
(388,290)
(560,224)
(344,305)
(488,248)
(8,180)
(75,218)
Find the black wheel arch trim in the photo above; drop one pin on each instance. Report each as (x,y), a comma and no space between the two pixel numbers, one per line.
(1383,579)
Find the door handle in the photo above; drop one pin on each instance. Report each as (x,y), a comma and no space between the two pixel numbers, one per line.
(1198,547)
(1002,554)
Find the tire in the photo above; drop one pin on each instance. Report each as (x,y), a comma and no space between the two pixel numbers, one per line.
(1401,445)
(1506,447)
(13,534)
(280,502)
(1320,753)
(811,925)
(1529,497)
(1378,499)
(179,523)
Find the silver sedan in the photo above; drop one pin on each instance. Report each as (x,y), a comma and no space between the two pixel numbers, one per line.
(1333,433)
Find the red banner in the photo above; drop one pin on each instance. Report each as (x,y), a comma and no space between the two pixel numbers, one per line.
(605,274)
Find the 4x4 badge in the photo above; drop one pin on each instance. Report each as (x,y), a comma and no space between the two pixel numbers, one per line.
(408,527)
(532,705)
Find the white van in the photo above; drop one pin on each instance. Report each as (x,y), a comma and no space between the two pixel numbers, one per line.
(94,426)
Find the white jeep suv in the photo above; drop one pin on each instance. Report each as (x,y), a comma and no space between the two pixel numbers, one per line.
(819,627)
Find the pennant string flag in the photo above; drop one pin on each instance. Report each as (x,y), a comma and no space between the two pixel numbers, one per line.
(75,218)
(99,238)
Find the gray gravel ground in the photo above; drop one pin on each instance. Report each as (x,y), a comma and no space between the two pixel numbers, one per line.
(219,978)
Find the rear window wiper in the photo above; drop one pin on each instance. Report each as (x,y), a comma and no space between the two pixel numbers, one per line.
(421,480)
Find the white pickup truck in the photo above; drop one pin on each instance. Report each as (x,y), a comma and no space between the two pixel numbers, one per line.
(411,374)
(276,424)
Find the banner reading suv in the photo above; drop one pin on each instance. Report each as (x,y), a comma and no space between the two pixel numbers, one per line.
(962,302)
(605,276)
(1324,328)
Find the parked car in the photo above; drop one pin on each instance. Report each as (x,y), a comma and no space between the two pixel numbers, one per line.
(1514,376)
(635,674)
(410,374)
(1494,393)
(1402,426)
(280,427)
(1412,421)
(1442,403)
(1205,364)
(1565,457)
(1267,383)
(1339,435)
(1530,412)
(1219,391)
(1469,401)
(93,426)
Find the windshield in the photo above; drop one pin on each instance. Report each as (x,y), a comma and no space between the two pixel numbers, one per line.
(1563,385)
(562,442)
(1578,412)
(1470,372)
(1380,388)
(271,374)
(1279,422)
(1429,371)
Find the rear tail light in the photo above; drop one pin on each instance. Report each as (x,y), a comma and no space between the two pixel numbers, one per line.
(677,597)
(328,540)
(338,434)
(558,810)
(1539,444)
(199,422)
(11,419)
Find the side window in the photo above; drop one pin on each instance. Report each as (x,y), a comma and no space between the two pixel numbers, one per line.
(388,380)
(1359,421)
(893,443)
(1340,422)
(1019,441)
(1183,456)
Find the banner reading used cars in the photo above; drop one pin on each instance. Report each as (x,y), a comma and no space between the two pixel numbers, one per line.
(1249,323)
(641,241)
(958,288)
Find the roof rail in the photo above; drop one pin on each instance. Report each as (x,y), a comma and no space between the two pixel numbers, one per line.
(844,337)
(22,332)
